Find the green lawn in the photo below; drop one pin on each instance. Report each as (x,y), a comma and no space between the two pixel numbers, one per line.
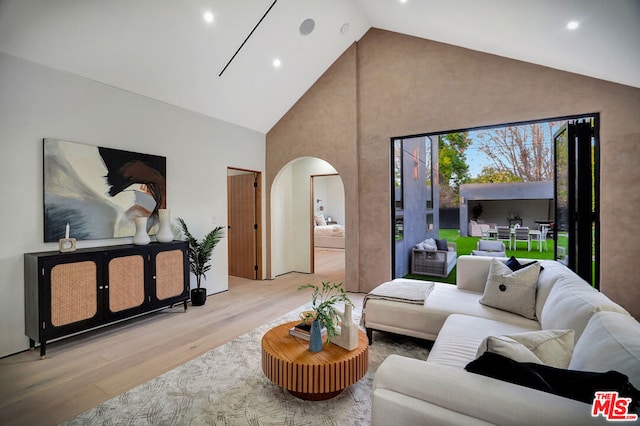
(464,245)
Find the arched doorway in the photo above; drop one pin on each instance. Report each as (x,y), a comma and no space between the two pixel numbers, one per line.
(292,214)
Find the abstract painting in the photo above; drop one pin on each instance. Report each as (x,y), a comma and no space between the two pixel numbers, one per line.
(100,191)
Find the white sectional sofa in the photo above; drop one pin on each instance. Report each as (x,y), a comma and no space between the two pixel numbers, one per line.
(440,391)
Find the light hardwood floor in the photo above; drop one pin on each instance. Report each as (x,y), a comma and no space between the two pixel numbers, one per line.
(82,371)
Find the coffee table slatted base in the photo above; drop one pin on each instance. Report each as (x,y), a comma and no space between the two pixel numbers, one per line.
(288,363)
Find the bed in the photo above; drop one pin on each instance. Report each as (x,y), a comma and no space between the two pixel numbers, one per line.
(330,236)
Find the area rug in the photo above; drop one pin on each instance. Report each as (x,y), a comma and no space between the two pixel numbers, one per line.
(226,386)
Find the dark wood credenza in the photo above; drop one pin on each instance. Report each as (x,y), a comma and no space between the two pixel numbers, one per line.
(67,293)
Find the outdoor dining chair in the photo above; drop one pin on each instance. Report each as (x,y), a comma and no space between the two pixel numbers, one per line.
(522,234)
(540,237)
(504,234)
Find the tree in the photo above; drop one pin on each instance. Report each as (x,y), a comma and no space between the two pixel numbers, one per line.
(453,169)
(526,150)
(490,174)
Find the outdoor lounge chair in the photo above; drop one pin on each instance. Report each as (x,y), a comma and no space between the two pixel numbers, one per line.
(490,248)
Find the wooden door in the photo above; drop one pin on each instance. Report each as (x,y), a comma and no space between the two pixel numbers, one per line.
(244,224)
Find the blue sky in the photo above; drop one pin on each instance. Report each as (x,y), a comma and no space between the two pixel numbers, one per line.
(476,159)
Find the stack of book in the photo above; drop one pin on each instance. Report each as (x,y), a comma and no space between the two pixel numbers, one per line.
(303,331)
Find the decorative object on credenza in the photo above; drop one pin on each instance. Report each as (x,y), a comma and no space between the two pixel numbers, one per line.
(142,237)
(67,244)
(165,234)
(100,190)
(199,256)
(348,337)
(323,301)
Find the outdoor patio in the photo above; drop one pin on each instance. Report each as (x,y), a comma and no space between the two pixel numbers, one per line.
(464,245)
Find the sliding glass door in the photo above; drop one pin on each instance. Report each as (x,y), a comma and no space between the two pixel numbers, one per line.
(577,227)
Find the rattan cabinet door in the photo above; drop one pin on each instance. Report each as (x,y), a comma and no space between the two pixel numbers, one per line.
(169,275)
(126,282)
(73,292)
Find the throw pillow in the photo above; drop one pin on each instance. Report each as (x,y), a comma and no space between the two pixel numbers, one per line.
(548,347)
(515,265)
(430,244)
(320,221)
(512,291)
(442,244)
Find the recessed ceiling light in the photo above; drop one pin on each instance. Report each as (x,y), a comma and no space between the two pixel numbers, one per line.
(208,17)
(277,63)
(572,25)
(403,1)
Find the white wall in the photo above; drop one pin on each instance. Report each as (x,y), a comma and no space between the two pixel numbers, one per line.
(330,190)
(37,102)
(291,215)
(497,211)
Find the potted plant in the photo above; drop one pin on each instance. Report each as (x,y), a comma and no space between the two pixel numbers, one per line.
(323,301)
(477,211)
(199,257)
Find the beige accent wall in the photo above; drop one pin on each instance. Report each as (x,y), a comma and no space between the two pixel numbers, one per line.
(389,84)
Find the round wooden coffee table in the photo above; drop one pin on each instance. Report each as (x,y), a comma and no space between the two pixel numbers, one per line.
(287,362)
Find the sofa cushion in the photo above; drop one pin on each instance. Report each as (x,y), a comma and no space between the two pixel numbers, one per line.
(548,347)
(572,302)
(461,335)
(446,299)
(441,243)
(512,291)
(552,272)
(611,341)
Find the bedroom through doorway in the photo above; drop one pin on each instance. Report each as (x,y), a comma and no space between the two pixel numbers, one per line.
(328,223)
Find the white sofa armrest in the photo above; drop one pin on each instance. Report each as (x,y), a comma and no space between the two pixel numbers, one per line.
(471,395)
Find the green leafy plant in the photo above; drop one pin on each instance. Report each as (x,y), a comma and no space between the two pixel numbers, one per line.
(323,300)
(200,251)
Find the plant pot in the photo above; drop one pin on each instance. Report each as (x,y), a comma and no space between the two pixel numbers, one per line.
(198,296)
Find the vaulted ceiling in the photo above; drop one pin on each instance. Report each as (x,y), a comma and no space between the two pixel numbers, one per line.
(166,50)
